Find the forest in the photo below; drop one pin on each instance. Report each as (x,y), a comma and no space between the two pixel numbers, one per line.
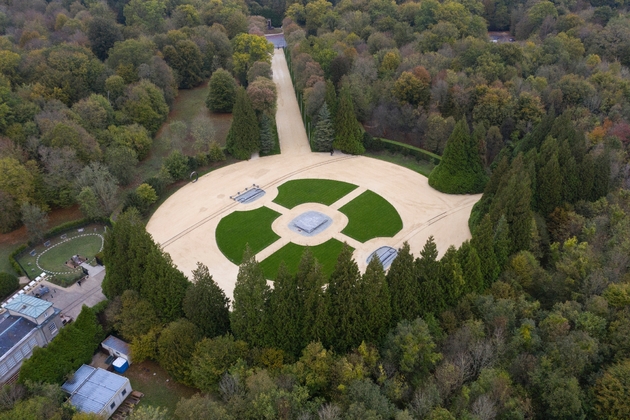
(530,319)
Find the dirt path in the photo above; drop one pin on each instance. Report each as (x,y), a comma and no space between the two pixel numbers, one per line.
(293,139)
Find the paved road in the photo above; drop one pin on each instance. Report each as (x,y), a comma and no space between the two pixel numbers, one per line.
(291,131)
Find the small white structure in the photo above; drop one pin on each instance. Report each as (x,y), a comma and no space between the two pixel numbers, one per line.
(95,390)
(116,347)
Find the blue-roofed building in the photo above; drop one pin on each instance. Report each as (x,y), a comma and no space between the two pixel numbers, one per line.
(95,390)
(28,322)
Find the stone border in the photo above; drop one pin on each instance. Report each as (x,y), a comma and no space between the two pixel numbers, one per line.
(64,241)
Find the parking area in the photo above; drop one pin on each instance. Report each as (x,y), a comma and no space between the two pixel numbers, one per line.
(71,299)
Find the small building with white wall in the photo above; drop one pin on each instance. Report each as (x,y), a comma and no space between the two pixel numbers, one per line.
(95,390)
(116,347)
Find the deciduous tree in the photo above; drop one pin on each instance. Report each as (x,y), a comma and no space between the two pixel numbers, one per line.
(222,92)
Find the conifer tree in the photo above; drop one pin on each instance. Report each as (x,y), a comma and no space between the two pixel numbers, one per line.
(251,293)
(451,277)
(502,242)
(344,303)
(376,302)
(116,253)
(347,129)
(601,180)
(571,182)
(430,291)
(483,242)
(460,171)
(206,305)
(267,141)
(286,313)
(549,191)
(331,97)
(403,287)
(471,268)
(310,283)
(514,201)
(324,132)
(163,285)
(244,136)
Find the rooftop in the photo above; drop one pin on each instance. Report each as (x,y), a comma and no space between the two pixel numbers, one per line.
(12,330)
(92,388)
(28,306)
(116,344)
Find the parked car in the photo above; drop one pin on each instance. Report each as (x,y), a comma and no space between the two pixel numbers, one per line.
(41,291)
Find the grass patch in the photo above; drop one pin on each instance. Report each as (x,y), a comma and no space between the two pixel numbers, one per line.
(291,254)
(159,389)
(190,105)
(420,166)
(240,228)
(54,258)
(300,191)
(371,216)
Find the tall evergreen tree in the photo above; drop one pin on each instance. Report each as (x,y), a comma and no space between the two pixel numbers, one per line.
(430,291)
(244,136)
(549,191)
(206,305)
(310,283)
(502,242)
(116,252)
(483,242)
(250,301)
(344,303)
(286,309)
(267,141)
(601,180)
(514,201)
(163,285)
(403,287)
(571,182)
(331,97)
(347,129)
(324,132)
(471,268)
(451,277)
(376,302)
(460,171)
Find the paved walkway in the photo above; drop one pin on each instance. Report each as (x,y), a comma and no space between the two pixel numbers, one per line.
(185,224)
(71,299)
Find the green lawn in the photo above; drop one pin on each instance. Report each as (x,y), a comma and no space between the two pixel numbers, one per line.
(420,166)
(291,254)
(159,389)
(251,227)
(54,259)
(370,216)
(299,191)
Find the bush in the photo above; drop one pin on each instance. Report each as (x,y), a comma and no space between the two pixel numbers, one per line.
(222,92)
(8,284)
(375,144)
(177,165)
(74,345)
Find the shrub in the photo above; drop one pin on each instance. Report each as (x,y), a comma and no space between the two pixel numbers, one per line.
(8,284)
(222,92)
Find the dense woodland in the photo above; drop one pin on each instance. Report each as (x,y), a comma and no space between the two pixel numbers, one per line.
(527,320)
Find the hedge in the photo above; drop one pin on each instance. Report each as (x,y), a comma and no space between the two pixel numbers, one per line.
(377,144)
